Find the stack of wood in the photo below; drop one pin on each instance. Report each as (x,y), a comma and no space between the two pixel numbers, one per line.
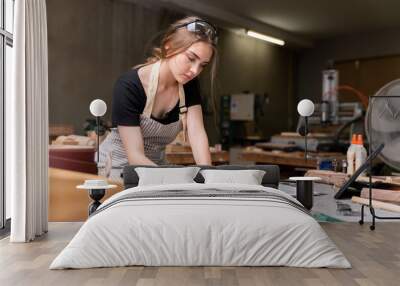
(56,130)
(393,181)
(252,149)
(392,196)
(387,199)
(74,140)
(175,148)
(393,207)
(329,177)
(391,192)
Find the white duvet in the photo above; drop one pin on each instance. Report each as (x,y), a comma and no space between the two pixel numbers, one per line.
(190,231)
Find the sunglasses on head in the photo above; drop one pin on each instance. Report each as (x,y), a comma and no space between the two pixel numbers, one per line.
(201,28)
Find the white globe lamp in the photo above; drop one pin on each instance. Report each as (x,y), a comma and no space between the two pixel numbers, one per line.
(305,108)
(98,108)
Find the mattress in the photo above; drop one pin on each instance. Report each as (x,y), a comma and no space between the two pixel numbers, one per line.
(201,225)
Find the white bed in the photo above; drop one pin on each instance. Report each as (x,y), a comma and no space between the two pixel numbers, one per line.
(138,227)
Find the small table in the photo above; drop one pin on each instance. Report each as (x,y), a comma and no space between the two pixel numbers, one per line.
(97,190)
(304,190)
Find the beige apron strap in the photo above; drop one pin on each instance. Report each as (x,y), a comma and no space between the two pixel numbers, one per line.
(153,84)
(183,111)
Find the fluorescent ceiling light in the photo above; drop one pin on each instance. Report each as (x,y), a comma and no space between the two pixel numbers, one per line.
(265,38)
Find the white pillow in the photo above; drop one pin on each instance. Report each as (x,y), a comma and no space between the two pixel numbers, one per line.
(249,177)
(163,176)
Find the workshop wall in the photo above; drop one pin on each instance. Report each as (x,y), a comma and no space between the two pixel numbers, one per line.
(92,42)
(311,62)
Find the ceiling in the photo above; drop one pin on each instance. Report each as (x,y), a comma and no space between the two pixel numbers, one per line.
(318,19)
(299,23)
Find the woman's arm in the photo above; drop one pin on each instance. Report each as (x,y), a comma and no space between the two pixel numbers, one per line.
(132,140)
(197,135)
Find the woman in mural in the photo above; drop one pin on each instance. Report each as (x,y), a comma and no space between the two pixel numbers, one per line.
(154,101)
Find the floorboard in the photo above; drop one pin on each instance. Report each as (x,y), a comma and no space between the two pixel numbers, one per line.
(374,255)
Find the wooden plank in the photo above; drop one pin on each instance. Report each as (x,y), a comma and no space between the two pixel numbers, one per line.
(382,195)
(329,177)
(277,146)
(61,129)
(294,159)
(268,157)
(172,148)
(390,180)
(377,204)
(310,135)
(186,158)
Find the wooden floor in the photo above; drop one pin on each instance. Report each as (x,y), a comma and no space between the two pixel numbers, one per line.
(375,257)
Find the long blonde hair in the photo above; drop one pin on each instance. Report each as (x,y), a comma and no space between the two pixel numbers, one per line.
(178,40)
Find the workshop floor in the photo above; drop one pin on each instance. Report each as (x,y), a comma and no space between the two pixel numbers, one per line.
(330,209)
(374,256)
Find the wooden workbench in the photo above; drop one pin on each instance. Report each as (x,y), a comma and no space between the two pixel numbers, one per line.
(66,202)
(186,158)
(293,159)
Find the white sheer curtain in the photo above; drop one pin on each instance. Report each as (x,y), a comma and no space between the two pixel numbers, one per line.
(27,124)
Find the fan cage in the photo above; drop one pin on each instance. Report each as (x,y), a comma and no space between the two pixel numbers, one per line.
(376,132)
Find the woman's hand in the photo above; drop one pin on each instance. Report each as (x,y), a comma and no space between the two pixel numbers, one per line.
(132,139)
(197,135)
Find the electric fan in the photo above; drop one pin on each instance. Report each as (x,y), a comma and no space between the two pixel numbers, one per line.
(382,123)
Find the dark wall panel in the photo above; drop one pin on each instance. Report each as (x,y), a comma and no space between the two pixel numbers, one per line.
(92,42)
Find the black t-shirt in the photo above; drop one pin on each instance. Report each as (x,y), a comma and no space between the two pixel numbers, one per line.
(129,100)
